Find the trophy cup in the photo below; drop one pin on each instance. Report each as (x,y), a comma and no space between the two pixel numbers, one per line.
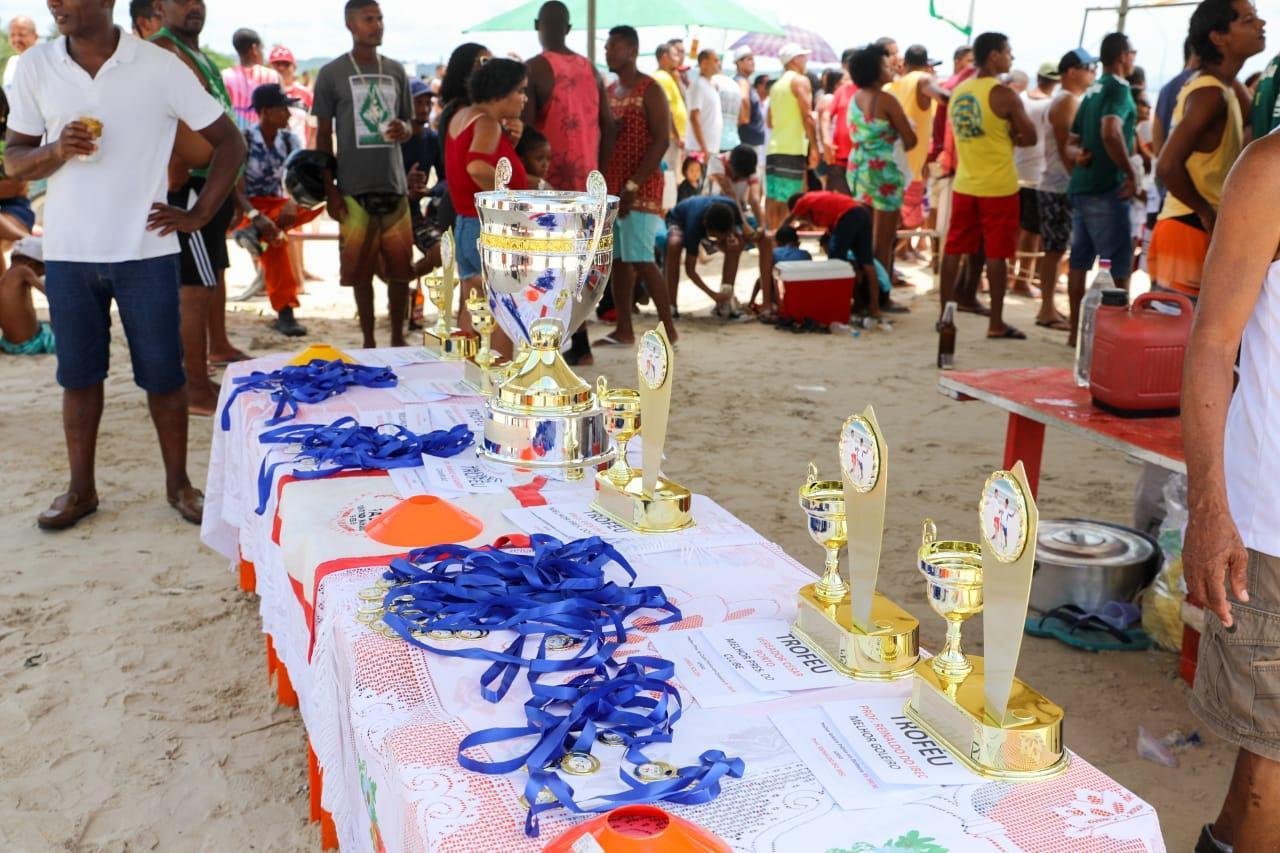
(480,371)
(444,339)
(546,256)
(643,500)
(989,720)
(859,631)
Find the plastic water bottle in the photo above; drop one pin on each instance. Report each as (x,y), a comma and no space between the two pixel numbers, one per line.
(1088,313)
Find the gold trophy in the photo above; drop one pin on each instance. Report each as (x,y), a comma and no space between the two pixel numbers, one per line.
(482,371)
(859,631)
(444,339)
(643,500)
(993,723)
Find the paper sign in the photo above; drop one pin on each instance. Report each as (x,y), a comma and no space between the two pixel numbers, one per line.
(442,388)
(706,675)
(415,417)
(409,482)
(395,356)
(449,415)
(716,528)
(770,658)
(850,783)
(895,749)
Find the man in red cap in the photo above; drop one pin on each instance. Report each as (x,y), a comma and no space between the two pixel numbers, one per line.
(282,61)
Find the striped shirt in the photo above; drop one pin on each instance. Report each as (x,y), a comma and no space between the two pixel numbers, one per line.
(240,82)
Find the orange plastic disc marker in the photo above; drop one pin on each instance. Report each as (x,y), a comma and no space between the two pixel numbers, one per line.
(422,521)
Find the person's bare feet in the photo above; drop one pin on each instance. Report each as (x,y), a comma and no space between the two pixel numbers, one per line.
(224,357)
(1024,289)
(202,399)
(189,502)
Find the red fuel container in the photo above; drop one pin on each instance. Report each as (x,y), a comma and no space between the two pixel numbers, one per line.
(1138,350)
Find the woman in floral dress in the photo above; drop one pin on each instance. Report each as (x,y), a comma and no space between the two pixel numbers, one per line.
(876,123)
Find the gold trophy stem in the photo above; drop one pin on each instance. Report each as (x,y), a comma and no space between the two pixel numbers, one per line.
(832,588)
(619,472)
(951,664)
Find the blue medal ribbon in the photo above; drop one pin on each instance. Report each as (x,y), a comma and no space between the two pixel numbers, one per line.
(345,445)
(313,382)
(560,589)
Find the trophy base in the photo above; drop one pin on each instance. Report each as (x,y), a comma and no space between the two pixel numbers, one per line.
(450,345)
(482,378)
(888,654)
(1027,749)
(665,511)
(538,440)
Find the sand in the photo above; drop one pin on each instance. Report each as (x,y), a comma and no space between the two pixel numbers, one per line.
(135,711)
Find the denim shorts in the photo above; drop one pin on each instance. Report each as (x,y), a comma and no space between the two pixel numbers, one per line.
(146,294)
(466,241)
(1100,228)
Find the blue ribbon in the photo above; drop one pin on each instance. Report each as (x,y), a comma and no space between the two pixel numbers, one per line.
(560,589)
(345,445)
(306,383)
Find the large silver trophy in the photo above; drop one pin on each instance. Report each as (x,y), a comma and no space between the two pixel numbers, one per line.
(546,258)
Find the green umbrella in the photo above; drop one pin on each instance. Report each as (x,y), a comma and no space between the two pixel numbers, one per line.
(722,14)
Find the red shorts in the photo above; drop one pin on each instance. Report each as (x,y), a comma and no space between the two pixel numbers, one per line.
(986,225)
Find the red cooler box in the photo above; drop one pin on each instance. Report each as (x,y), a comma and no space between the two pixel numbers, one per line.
(821,291)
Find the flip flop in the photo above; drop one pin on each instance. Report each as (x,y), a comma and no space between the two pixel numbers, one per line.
(976,308)
(1009,333)
(66,510)
(1058,325)
(1072,626)
(239,356)
(189,503)
(610,341)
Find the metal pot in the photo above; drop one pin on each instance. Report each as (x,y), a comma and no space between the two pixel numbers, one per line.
(1088,563)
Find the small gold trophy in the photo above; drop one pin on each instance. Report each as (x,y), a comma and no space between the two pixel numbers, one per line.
(444,339)
(859,631)
(993,723)
(483,370)
(642,500)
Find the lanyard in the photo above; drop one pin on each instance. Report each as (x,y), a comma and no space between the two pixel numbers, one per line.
(344,445)
(356,65)
(557,596)
(306,383)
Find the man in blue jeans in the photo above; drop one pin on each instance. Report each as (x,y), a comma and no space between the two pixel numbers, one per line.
(1104,180)
(110,105)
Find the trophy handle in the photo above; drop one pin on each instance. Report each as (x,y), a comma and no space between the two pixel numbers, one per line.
(813,474)
(602,387)
(502,174)
(598,190)
(930,532)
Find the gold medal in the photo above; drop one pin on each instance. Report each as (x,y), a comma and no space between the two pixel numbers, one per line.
(654,771)
(610,738)
(544,797)
(440,634)
(472,634)
(579,764)
(560,642)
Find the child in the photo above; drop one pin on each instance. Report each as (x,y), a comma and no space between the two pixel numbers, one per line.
(715,218)
(535,153)
(692,183)
(21,333)
(787,246)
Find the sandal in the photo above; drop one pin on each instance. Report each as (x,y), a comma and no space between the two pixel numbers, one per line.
(1094,632)
(66,511)
(1009,333)
(1058,325)
(189,502)
(610,341)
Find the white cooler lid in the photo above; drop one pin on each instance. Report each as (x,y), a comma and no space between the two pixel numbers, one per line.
(813,270)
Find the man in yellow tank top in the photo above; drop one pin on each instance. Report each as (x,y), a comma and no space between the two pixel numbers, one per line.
(987,121)
(1207,136)
(793,137)
(919,96)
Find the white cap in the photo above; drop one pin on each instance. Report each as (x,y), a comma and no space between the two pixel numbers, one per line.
(742,53)
(790,51)
(29,247)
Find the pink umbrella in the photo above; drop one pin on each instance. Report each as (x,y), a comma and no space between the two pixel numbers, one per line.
(766,44)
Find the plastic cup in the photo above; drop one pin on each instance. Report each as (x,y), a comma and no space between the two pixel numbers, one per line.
(95,128)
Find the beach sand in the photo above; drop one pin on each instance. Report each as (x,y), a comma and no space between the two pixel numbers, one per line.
(135,711)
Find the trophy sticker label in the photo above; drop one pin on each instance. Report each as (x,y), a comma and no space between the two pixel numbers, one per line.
(446,248)
(1003,515)
(653,359)
(860,454)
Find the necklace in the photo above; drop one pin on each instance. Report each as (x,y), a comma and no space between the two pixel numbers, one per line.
(356,65)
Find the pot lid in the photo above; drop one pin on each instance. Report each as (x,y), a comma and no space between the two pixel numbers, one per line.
(1078,542)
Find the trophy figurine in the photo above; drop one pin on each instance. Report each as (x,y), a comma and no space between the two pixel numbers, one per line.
(989,720)
(480,371)
(859,631)
(643,500)
(546,256)
(444,339)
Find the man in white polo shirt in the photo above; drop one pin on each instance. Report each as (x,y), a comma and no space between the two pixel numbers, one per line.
(109,105)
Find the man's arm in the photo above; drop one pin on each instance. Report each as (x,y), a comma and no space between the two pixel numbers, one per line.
(1239,255)
(541,78)
(1157,135)
(804,98)
(928,90)
(228,155)
(605,119)
(1201,112)
(1006,104)
(27,160)
(695,117)
(335,204)
(744,109)
(1061,116)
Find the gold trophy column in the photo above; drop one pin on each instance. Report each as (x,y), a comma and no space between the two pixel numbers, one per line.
(987,718)
(444,339)
(859,631)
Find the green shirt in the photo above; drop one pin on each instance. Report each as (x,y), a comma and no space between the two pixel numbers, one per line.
(1266,107)
(210,76)
(1109,96)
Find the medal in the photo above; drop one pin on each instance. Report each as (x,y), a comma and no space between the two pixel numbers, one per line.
(654,771)
(472,634)
(544,797)
(579,764)
(440,634)
(560,642)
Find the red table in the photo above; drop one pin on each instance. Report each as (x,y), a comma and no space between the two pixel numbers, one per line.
(1038,396)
